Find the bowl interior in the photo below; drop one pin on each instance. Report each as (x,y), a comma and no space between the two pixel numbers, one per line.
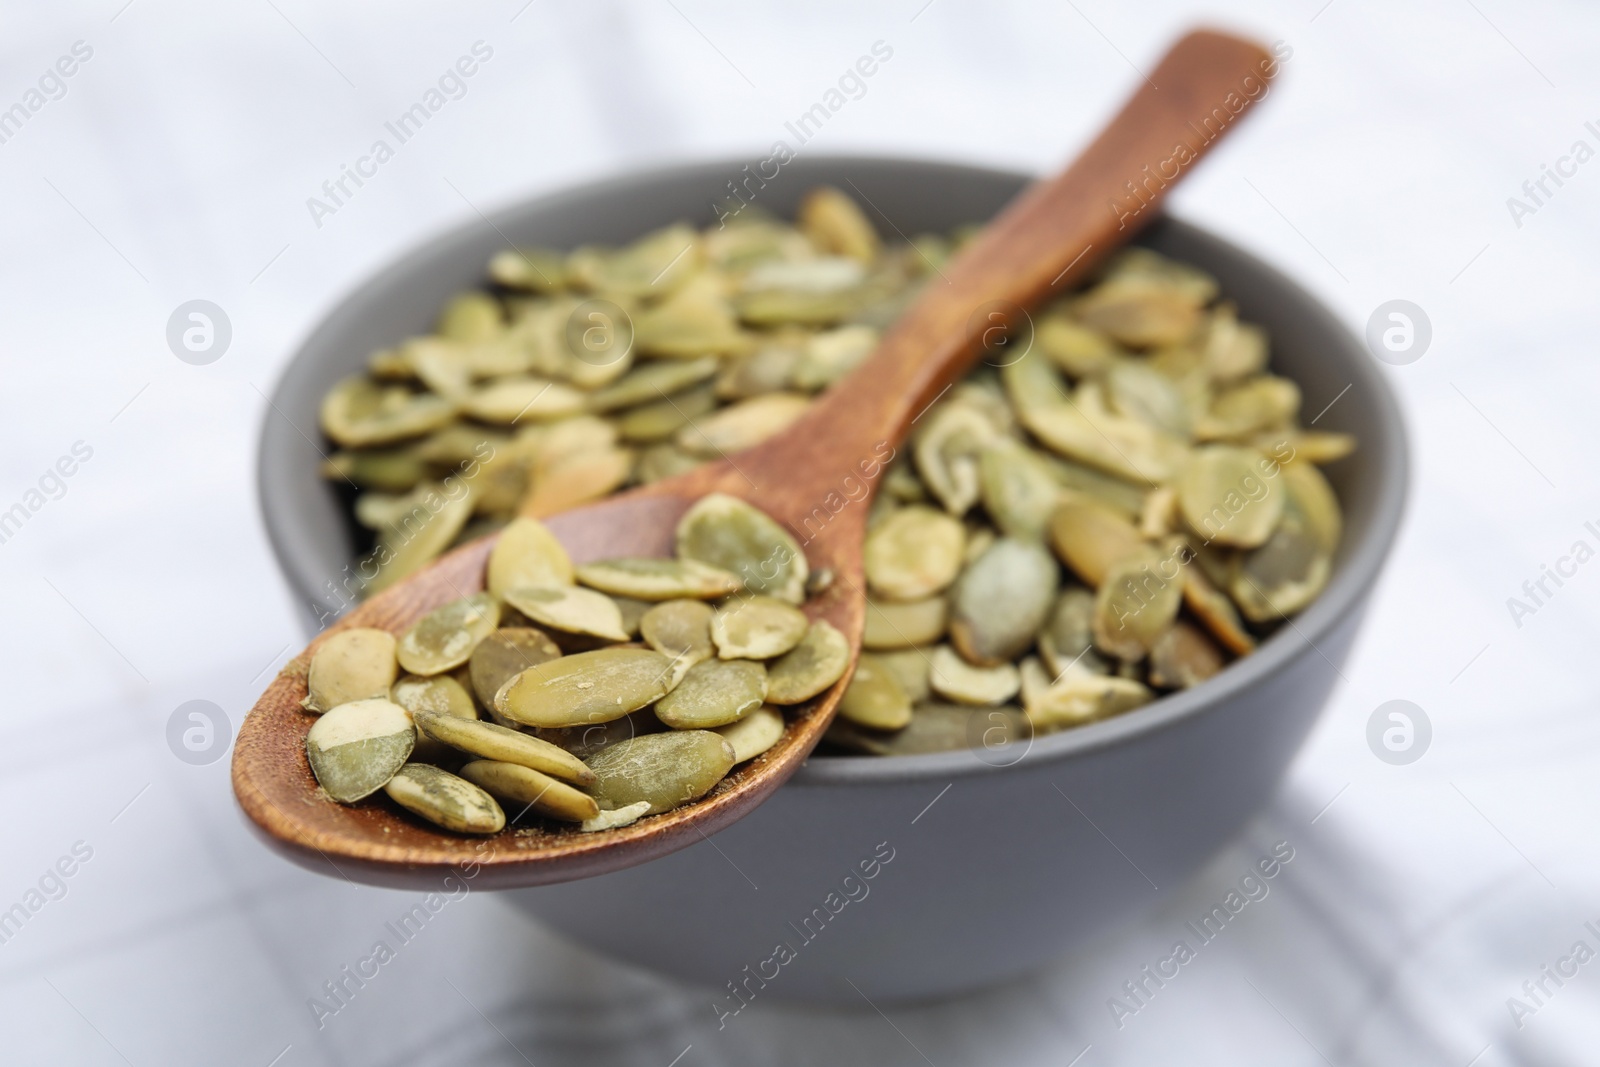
(314,539)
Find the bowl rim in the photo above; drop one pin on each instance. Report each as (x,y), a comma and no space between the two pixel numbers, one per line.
(1346,589)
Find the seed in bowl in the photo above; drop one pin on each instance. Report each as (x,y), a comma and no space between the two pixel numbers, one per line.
(1119,512)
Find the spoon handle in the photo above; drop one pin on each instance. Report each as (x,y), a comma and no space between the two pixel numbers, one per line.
(1047,239)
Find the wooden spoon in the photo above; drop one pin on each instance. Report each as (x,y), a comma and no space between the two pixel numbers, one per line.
(809,477)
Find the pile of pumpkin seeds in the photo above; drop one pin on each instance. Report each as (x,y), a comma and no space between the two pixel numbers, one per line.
(1116,503)
(587,696)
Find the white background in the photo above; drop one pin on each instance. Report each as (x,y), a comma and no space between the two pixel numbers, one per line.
(177,166)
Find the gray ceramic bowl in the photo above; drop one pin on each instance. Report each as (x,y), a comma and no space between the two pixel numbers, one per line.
(982,865)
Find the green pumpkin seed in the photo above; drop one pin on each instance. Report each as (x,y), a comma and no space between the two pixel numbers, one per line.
(650,382)
(913,553)
(937,727)
(442,695)
(590,687)
(681,630)
(836,224)
(768,369)
(714,693)
(757,627)
(1233,349)
(1137,603)
(1001,601)
(444,638)
(1250,408)
(664,419)
(1089,537)
(1316,502)
(1072,346)
(741,425)
(528,788)
(912,667)
(1076,697)
(1284,575)
(355,748)
(1067,640)
(907,625)
(660,579)
(358,413)
(1139,391)
(350,665)
(946,452)
(874,697)
(653,265)
(527,553)
(425,529)
(1183,657)
(955,679)
(819,660)
(1213,608)
(488,741)
(532,269)
(569,609)
(616,818)
(1228,497)
(753,734)
(1018,488)
(391,470)
(505,654)
(830,355)
(667,770)
(514,400)
(445,800)
(726,532)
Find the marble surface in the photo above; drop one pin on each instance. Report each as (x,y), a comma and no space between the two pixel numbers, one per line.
(175,163)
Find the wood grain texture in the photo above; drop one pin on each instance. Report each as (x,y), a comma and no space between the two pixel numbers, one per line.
(1043,243)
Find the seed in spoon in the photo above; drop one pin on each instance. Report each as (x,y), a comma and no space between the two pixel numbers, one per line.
(445,800)
(350,665)
(355,748)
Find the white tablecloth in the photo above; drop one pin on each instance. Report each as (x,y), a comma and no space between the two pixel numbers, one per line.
(175,163)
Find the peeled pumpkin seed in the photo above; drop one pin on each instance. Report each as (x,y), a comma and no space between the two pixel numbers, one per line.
(650,423)
(1067,640)
(753,734)
(946,453)
(830,355)
(937,727)
(874,697)
(659,579)
(837,225)
(577,479)
(394,470)
(1137,603)
(505,654)
(1072,346)
(1251,407)
(1316,502)
(1001,601)
(1213,608)
(1183,657)
(514,400)
(425,530)
(757,627)
(445,637)
(912,667)
(527,554)
(819,660)
(616,817)
(912,554)
(533,789)
(1226,496)
(1076,697)
(442,695)
(350,665)
(569,609)
(714,693)
(534,269)
(358,413)
(741,425)
(1089,537)
(892,625)
(680,630)
(355,748)
(726,532)
(445,800)
(590,687)
(1284,575)
(955,679)
(667,770)
(650,382)
(655,264)
(488,741)
(1018,489)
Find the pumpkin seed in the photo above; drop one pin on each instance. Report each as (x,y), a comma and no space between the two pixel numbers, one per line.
(1226,496)
(355,748)
(1137,603)
(713,693)
(653,265)
(651,423)
(1316,502)
(512,400)
(358,413)
(946,452)
(1072,346)
(1001,601)
(875,697)
(505,654)
(1251,407)
(350,665)
(531,789)
(757,627)
(766,370)
(533,269)
(913,553)
(741,425)
(424,530)
(445,800)
(577,479)
(442,694)
(659,579)
(911,666)
(1018,488)
(589,687)
(666,770)
(445,637)
(906,625)
(1067,640)
(569,609)
(753,734)
(616,817)
(681,630)
(1077,697)
(1183,657)
(1212,607)
(830,355)
(392,470)
(650,382)
(527,554)
(693,321)
(488,741)
(819,660)
(837,225)
(726,532)
(1284,575)
(935,727)
(955,679)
